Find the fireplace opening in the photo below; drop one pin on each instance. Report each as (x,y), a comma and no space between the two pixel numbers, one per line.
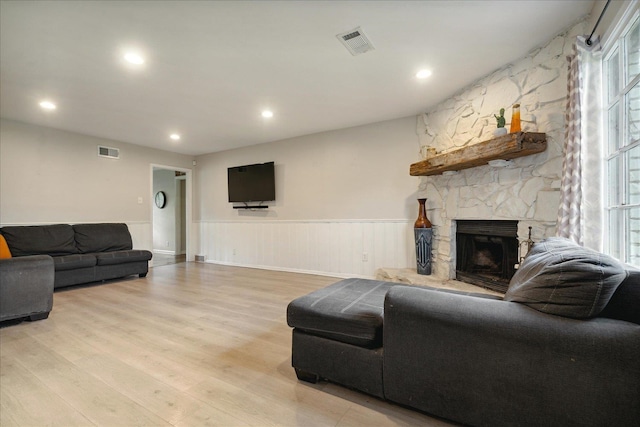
(487,252)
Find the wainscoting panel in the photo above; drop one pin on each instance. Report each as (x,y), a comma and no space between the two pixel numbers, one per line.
(336,248)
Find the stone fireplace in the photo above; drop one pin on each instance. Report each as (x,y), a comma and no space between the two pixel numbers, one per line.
(524,191)
(486,252)
(515,198)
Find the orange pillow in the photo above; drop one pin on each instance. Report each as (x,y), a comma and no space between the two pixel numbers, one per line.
(4,248)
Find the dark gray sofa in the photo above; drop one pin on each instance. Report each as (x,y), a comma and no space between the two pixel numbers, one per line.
(82,253)
(26,287)
(562,347)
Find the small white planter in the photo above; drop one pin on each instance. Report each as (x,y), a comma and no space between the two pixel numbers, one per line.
(500,132)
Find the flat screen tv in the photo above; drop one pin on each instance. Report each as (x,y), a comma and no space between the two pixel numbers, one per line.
(252,183)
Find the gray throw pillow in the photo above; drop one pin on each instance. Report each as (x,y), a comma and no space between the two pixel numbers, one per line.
(560,277)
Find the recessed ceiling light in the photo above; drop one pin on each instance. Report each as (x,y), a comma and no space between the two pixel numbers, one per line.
(267,114)
(423,74)
(134,58)
(47,105)
(174,136)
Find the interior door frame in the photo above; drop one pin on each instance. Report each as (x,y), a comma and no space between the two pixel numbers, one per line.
(188,201)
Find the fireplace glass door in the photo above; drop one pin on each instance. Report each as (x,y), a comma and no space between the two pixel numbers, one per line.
(487,252)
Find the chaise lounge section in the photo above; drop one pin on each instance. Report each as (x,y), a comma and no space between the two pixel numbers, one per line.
(561,348)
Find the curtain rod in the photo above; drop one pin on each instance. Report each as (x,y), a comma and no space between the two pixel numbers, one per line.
(598,22)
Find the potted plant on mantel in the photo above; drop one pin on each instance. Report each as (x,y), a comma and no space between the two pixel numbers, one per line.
(501,130)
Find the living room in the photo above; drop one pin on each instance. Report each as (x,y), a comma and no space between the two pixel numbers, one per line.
(345,201)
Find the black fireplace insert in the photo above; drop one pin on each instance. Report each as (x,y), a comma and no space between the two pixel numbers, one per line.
(486,252)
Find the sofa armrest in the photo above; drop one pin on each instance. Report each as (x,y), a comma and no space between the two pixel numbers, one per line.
(490,362)
(26,287)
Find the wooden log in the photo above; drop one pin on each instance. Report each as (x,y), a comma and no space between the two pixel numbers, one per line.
(504,147)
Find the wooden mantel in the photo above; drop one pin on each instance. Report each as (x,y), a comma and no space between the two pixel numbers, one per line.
(504,147)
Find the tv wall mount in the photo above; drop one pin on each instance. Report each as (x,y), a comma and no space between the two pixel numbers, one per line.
(246,206)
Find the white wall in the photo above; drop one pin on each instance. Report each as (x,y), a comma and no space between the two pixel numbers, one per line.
(164,219)
(51,176)
(354,173)
(339,195)
(181,215)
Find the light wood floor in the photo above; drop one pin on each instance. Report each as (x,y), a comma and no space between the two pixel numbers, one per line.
(190,345)
(164,259)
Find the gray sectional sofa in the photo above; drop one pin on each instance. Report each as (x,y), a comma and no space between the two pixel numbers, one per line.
(561,348)
(82,253)
(26,287)
(45,257)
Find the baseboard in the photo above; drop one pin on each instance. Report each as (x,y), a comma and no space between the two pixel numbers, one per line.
(161,251)
(292,270)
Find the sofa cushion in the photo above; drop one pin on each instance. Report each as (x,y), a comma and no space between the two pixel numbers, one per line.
(40,240)
(560,277)
(122,257)
(350,311)
(71,262)
(102,237)
(625,302)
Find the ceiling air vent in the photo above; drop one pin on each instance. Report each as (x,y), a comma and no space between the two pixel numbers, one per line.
(111,153)
(355,41)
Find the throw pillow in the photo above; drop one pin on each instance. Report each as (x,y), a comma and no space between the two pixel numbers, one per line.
(4,248)
(560,277)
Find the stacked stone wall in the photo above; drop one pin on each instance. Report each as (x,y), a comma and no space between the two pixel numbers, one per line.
(529,189)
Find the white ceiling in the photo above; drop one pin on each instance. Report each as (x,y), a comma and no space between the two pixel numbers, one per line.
(212,67)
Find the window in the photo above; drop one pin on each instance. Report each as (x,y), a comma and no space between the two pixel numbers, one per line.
(621,94)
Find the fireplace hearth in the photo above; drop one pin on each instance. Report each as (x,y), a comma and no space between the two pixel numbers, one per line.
(487,252)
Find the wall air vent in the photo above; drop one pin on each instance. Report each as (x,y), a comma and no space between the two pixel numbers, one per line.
(111,153)
(355,41)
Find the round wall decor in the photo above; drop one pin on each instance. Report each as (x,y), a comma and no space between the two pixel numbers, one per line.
(161,199)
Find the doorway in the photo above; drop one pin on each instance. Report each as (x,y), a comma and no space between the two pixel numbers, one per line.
(170,214)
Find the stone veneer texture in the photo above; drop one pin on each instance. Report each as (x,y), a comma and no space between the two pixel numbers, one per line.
(529,189)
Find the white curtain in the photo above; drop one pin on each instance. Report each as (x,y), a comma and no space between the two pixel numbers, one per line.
(581,205)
